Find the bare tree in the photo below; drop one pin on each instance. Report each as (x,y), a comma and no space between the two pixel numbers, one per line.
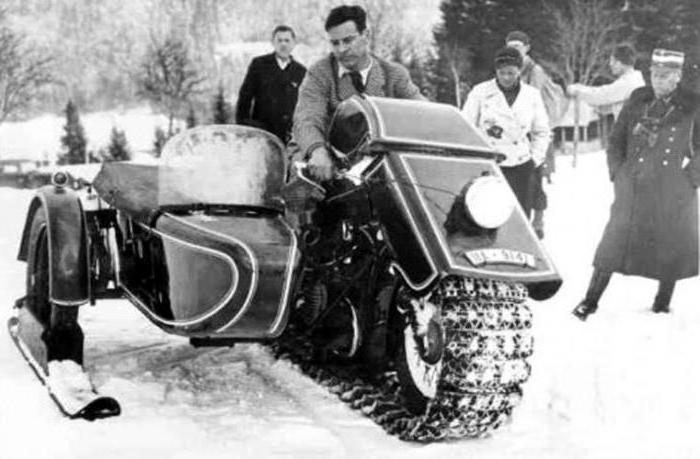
(23,70)
(584,32)
(169,78)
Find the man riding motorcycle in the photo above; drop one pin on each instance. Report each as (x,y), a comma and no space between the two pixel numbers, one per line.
(350,69)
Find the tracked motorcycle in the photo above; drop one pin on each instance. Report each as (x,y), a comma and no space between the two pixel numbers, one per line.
(404,290)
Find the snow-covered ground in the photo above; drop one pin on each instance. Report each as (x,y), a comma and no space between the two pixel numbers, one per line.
(623,384)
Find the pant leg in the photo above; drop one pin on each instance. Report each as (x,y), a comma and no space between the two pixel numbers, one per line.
(599,282)
(520,179)
(664,293)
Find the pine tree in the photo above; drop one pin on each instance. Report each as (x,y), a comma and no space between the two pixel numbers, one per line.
(118,148)
(191,120)
(73,140)
(160,137)
(169,77)
(221,108)
(470,34)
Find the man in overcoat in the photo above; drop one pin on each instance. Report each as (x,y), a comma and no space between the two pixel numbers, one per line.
(654,163)
(269,92)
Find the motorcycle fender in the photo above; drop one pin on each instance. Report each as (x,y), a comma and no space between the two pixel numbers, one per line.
(68,244)
(413,194)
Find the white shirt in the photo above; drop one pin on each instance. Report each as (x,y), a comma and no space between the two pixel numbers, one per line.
(282,64)
(364,73)
(614,94)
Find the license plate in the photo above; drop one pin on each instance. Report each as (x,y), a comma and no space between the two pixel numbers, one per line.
(500,256)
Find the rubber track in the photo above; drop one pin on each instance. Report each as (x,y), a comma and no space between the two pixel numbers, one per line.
(486,324)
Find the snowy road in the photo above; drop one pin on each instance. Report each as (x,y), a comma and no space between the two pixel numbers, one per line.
(624,384)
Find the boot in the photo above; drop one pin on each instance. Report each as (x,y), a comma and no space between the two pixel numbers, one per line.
(538,223)
(663,297)
(589,305)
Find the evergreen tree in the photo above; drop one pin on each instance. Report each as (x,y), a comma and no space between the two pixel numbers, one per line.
(73,140)
(469,35)
(191,120)
(118,148)
(221,108)
(160,137)
(169,77)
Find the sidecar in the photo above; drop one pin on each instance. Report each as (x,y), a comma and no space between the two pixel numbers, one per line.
(197,242)
(200,242)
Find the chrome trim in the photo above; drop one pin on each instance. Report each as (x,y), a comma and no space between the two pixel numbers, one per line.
(218,306)
(284,301)
(441,239)
(416,231)
(253,262)
(424,143)
(67,303)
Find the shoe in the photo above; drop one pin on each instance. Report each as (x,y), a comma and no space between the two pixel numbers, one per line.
(660,308)
(583,310)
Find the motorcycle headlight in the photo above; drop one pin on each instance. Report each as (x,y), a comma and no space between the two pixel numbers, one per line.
(489,201)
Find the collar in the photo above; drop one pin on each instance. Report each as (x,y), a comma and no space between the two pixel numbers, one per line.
(283,64)
(514,88)
(364,73)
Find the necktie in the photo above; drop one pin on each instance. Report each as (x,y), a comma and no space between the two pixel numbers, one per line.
(356,79)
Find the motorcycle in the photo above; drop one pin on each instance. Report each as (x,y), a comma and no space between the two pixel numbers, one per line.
(403,290)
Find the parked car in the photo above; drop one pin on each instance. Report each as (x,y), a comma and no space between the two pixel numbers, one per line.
(16,172)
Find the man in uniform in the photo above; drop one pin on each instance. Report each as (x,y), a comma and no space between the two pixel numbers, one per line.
(269,91)
(654,164)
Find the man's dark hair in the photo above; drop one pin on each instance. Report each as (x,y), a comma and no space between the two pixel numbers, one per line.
(508,56)
(284,28)
(345,13)
(625,54)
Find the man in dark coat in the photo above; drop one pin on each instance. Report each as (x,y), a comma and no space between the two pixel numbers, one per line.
(269,91)
(654,163)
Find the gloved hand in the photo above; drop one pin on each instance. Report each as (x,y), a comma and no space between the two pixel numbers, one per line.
(320,165)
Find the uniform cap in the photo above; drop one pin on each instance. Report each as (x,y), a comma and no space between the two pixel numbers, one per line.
(665,58)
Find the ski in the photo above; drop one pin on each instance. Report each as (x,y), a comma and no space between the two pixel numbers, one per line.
(67,383)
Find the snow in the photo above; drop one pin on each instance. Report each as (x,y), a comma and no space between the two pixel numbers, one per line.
(45,132)
(623,384)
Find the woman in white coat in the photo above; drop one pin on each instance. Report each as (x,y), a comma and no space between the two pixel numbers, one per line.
(512,115)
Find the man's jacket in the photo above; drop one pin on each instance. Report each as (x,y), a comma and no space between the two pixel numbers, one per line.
(555,101)
(323,89)
(268,95)
(524,126)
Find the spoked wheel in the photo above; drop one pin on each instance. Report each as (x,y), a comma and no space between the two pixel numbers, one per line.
(461,356)
(419,360)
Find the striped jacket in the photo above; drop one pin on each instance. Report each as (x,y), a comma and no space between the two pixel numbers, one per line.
(322,91)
